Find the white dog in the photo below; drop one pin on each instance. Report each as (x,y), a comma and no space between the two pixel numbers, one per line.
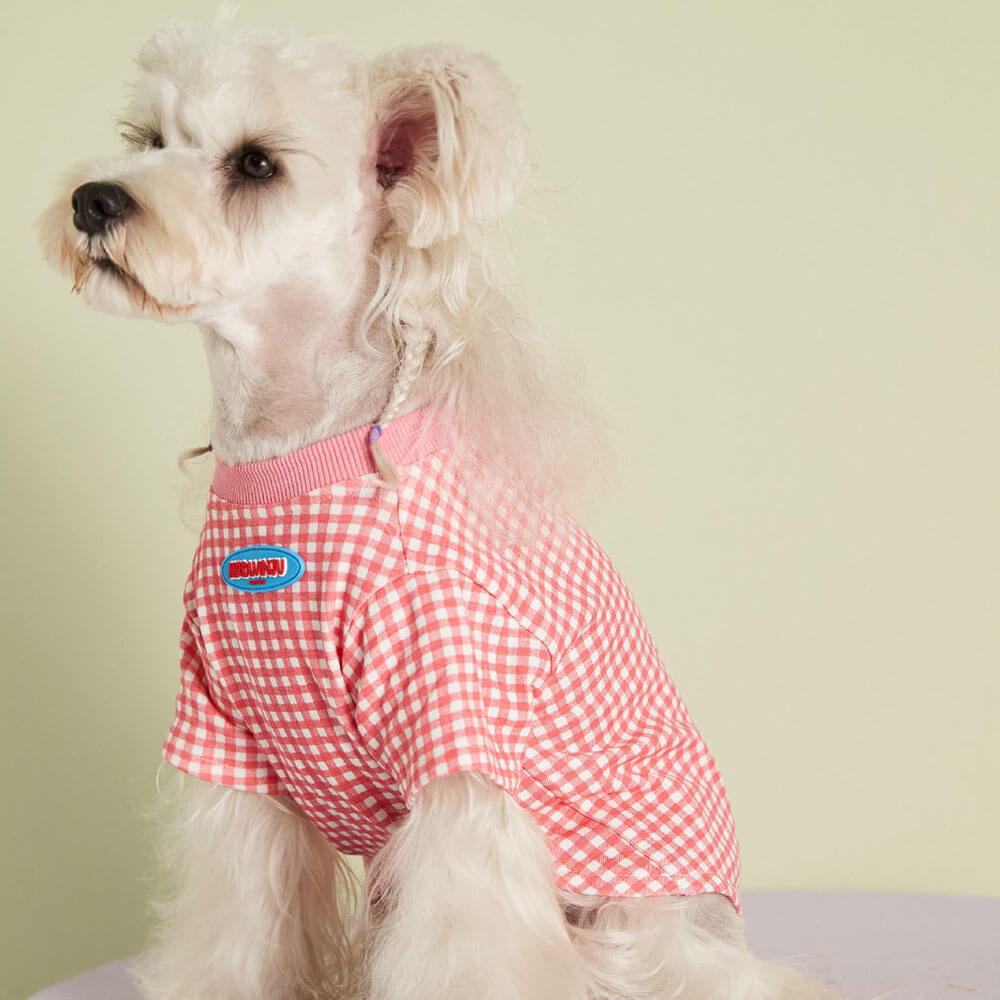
(396,644)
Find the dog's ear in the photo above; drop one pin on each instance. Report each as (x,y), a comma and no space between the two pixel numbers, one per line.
(450,142)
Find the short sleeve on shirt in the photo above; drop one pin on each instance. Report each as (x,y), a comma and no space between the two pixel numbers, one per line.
(203,740)
(445,679)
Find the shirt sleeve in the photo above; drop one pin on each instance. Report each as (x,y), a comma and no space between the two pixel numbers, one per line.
(204,740)
(445,680)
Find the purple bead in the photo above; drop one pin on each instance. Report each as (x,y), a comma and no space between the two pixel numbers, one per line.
(375,433)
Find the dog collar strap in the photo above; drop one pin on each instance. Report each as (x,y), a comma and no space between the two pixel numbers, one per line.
(336,460)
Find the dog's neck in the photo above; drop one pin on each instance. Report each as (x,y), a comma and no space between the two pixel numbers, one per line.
(292,369)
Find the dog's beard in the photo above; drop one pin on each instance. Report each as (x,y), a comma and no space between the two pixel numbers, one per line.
(102,273)
(85,266)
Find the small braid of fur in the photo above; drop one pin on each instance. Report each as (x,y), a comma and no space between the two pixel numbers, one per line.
(416,342)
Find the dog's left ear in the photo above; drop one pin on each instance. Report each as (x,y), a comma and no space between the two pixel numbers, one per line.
(450,142)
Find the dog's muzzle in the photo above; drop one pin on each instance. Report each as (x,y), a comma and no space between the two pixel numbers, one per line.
(99,204)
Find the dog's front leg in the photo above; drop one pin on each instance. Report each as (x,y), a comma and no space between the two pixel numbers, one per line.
(461,903)
(262,908)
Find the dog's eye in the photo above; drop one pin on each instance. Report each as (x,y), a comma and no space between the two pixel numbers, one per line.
(253,163)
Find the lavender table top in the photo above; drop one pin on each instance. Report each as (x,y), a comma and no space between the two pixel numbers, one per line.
(899,946)
(869,945)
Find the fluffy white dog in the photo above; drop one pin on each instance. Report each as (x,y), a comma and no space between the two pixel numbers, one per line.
(396,645)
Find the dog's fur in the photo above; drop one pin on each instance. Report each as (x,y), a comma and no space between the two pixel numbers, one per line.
(351,287)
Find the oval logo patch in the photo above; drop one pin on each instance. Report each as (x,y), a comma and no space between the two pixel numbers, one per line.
(260,568)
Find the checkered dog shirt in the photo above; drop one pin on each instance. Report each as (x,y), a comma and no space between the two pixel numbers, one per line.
(345,644)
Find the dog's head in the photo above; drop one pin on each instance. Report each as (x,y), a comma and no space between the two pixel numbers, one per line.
(254,158)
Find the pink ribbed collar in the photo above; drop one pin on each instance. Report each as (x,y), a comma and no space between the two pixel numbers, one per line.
(335,460)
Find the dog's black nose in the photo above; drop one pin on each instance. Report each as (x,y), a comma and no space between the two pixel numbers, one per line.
(98,204)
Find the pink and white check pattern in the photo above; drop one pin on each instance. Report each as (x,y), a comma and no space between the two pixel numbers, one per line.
(413,647)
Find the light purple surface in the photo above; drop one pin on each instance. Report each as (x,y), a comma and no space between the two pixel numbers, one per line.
(106,982)
(897,947)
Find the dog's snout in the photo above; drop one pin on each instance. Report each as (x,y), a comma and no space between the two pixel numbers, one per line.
(98,204)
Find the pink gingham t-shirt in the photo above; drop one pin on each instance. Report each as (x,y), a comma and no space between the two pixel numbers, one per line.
(346,643)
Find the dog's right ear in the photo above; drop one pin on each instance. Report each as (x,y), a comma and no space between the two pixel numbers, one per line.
(451,145)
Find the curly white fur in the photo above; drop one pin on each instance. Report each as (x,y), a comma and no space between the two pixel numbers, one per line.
(353,283)
(262,907)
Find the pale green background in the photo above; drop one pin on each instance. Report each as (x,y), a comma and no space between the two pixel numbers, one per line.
(772,233)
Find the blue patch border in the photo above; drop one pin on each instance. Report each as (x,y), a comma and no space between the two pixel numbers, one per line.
(296,568)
